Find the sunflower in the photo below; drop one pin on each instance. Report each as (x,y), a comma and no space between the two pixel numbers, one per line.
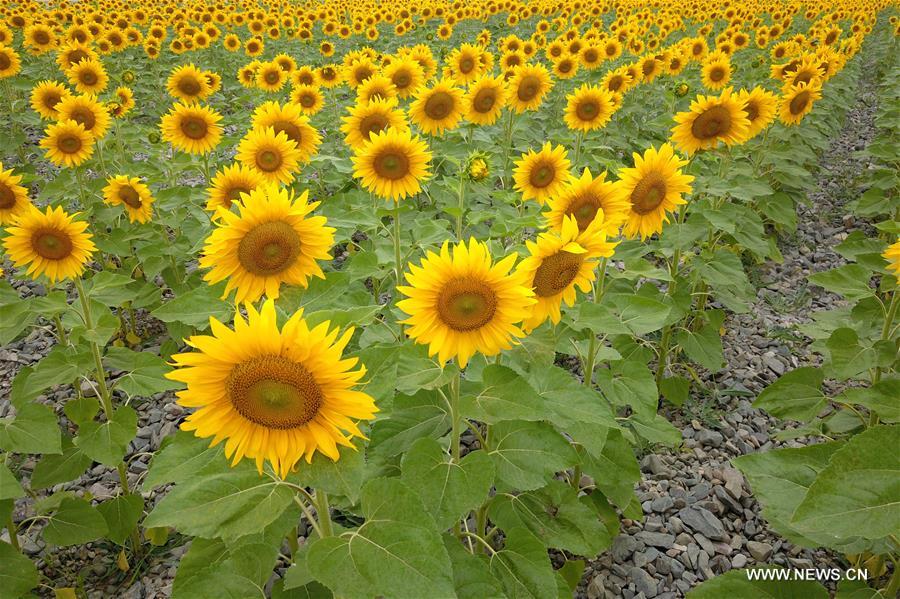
(709,121)
(542,175)
(797,101)
(271,394)
(86,111)
(586,197)
(67,143)
(653,186)
(10,63)
(51,243)
(375,87)
(460,303)
(892,255)
(232,42)
(290,120)
(367,119)
(88,76)
(309,98)
(304,75)
(358,71)
(46,95)
(270,77)
(528,86)
(125,98)
(230,184)
(192,128)
(560,262)
(392,164)
(270,241)
(39,39)
(131,193)
(437,108)
(328,76)
(715,71)
(617,81)
(464,63)
(13,197)
(271,153)
(588,108)
(188,84)
(566,67)
(760,106)
(407,76)
(484,100)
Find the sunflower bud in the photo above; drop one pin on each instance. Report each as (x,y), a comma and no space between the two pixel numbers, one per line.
(478,169)
(682,89)
(153,137)
(127,77)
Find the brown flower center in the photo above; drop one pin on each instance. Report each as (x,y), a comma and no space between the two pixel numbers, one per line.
(51,99)
(713,123)
(484,100)
(51,244)
(799,103)
(542,174)
(587,110)
(69,144)
(373,123)
(268,160)
(288,128)
(84,117)
(584,209)
(274,392)
(269,248)
(752,111)
(528,89)
(189,86)
(7,197)
(466,305)
(130,196)
(391,164)
(5,62)
(555,273)
(439,105)
(466,65)
(716,74)
(233,195)
(648,194)
(194,127)
(89,77)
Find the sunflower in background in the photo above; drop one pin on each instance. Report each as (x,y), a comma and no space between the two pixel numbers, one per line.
(588,108)
(797,101)
(86,111)
(309,98)
(290,120)
(374,88)
(892,255)
(654,187)
(584,199)
(711,120)
(270,77)
(485,99)
(192,128)
(543,174)
(72,53)
(39,39)
(125,98)
(438,108)
(561,262)
(88,77)
(272,394)
(715,72)
(392,164)
(188,84)
(304,75)
(230,184)
(528,86)
(272,154)
(461,303)
(45,96)
(368,119)
(67,143)
(272,239)
(760,105)
(10,63)
(14,200)
(406,74)
(50,243)
(132,194)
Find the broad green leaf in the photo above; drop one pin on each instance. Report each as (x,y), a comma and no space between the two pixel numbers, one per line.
(655,429)
(196,307)
(421,415)
(736,583)
(609,459)
(556,516)
(122,515)
(415,370)
(14,318)
(107,443)
(111,288)
(522,566)
(75,522)
(629,383)
(526,454)
(355,316)
(81,410)
(725,274)
(797,395)
(849,358)
(640,314)
(62,366)
(471,575)
(449,490)
(397,552)
(881,398)
(9,486)
(343,477)
(501,395)
(849,280)
(566,400)
(858,492)
(34,429)
(143,372)
(676,389)
(18,574)
(705,345)
(183,457)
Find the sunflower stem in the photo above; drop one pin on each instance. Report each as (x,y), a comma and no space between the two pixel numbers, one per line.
(454,416)
(885,335)
(509,146)
(60,330)
(579,140)
(398,267)
(323,513)
(13,533)
(461,207)
(592,346)
(292,535)
(79,177)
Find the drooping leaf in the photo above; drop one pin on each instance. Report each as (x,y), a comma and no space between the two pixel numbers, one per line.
(122,515)
(34,429)
(522,566)
(342,477)
(9,486)
(472,577)
(18,574)
(143,372)
(796,395)
(75,522)
(526,454)
(107,442)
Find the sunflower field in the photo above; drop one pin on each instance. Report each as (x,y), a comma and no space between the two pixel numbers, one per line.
(423,299)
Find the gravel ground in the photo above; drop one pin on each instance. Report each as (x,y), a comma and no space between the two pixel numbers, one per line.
(700,517)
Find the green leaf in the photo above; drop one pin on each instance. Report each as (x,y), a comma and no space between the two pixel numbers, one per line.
(630,383)
(64,467)
(655,429)
(111,289)
(501,395)
(81,410)
(640,314)
(471,576)
(144,373)
(704,346)
(107,443)
(356,316)
(183,457)
(797,395)
(526,454)
(523,566)
(343,477)
(9,486)
(858,493)
(448,490)
(736,583)
(609,460)
(18,574)
(556,516)
(566,400)
(34,429)
(15,318)
(848,357)
(881,398)
(849,280)
(412,417)
(61,366)
(122,515)
(724,273)
(397,552)
(676,389)
(196,307)
(415,370)
(74,523)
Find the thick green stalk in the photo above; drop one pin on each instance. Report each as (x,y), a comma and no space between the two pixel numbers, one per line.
(456,430)
(323,512)
(592,346)
(461,205)
(885,334)
(398,267)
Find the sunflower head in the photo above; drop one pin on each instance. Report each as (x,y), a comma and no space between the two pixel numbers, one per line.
(392,164)
(541,175)
(50,243)
(192,128)
(67,143)
(133,195)
(711,120)
(438,108)
(272,154)
(588,108)
(230,184)
(14,200)
(288,119)
(45,96)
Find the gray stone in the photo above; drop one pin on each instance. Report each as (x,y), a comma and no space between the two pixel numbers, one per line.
(739,561)
(709,438)
(662,504)
(644,583)
(623,546)
(734,482)
(656,539)
(703,521)
(642,558)
(760,551)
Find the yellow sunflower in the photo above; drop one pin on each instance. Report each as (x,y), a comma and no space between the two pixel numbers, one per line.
(73,53)
(367,119)
(407,76)
(460,303)
(709,121)
(230,184)
(797,101)
(10,63)
(272,154)
(375,87)
(586,197)
(542,175)
(125,98)
(715,71)
(67,143)
(88,76)
(309,98)
(437,108)
(272,395)
(131,193)
(188,84)
(892,255)
(588,108)
(86,111)
(528,86)
(485,99)
(653,186)
(13,197)
(271,240)
(46,95)
(760,106)
(559,262)
(392,164)
(51,243)
(192,128)
(270,77)
(290,120)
